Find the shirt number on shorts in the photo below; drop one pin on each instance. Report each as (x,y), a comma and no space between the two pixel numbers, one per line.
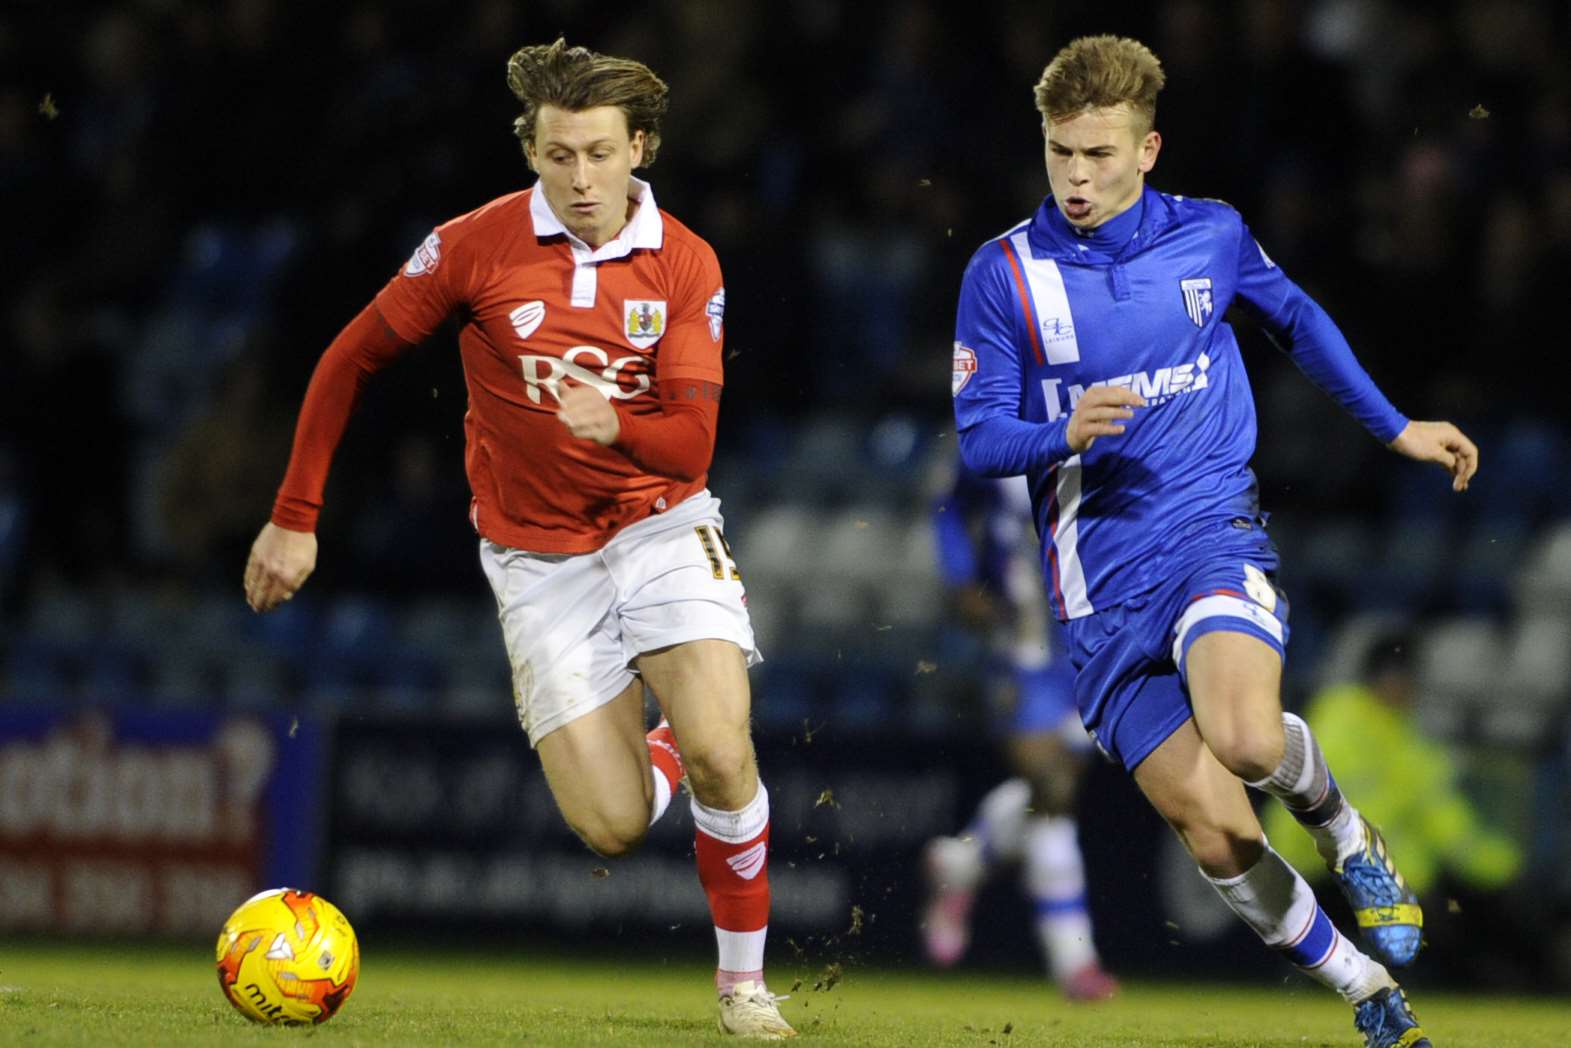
(718,550)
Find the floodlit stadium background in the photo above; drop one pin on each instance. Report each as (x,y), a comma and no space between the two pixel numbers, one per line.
(199,195)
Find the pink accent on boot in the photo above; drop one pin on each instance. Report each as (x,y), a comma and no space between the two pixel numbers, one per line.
(946,926)
(1091,983)
(726,981)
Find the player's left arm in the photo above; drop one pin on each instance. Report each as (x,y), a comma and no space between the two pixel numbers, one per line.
(1306,332)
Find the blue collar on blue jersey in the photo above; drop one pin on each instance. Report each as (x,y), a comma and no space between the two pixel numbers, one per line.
(1124,234)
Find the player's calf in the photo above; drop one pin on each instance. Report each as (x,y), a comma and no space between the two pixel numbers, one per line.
(1387,911)
(1303,782)
(732,849)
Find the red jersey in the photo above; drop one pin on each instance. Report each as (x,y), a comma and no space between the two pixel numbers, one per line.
(540,307)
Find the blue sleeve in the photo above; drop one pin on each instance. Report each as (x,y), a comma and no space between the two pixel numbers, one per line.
(989,379)
(956,556)
(1311,338)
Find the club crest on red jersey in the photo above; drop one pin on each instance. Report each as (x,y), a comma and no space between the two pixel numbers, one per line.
(965,367)
(425,258)
(643,321)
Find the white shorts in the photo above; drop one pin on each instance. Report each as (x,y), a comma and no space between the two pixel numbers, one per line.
(574,623)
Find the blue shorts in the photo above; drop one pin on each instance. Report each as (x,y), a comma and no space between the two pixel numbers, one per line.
(1044,699)
(1131,687)
(1041,691)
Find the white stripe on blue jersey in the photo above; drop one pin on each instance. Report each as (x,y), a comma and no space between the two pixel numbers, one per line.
(1055,321)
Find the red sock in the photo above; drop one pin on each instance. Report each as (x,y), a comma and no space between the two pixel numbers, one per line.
(667,763)
(733,867)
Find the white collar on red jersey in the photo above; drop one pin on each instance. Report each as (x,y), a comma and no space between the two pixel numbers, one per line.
(644,229)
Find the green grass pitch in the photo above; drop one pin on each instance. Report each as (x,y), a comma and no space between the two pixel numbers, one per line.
(64,994)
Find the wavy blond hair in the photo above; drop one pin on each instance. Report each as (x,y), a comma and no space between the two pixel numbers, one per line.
(575,79)
(1094,72)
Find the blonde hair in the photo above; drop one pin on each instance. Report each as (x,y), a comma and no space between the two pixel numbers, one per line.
(575,79)
(1094,72)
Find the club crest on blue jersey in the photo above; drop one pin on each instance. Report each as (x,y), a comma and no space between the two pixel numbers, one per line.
(1197,299)
(643,321)
(965,367)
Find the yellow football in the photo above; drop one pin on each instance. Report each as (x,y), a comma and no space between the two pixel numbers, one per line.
(287,957)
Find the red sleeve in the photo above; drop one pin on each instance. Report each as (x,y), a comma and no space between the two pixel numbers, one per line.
(694,342)
(680,440)
(363,348)
(432,284)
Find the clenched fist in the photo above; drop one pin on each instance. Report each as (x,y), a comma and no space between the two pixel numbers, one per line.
(1101,412)
(280,562)
(587,414)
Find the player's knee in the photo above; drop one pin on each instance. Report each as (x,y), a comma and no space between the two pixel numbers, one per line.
(1251,752)
(1223,851)
(612,838)
(719,761)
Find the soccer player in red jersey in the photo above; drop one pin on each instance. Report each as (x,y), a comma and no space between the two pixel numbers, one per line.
(591,344)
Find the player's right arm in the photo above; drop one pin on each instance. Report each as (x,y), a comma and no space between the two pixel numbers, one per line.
(284,553)
(989,383)
(408,309)
(959,558)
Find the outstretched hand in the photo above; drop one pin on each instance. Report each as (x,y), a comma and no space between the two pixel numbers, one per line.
(280,562)
(1443,444)
(1101,412)
(587,414)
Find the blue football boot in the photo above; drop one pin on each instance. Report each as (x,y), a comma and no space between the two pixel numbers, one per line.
(1386,1021)
(1388,914)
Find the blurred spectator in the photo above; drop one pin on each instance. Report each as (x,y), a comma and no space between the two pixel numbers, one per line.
(217,479)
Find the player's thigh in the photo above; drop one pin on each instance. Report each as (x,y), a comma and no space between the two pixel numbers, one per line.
(564,644)
(701,686)
(1235,687)
(682,584)
(1229,639)
(1204,803)
(597,766)
(684,624)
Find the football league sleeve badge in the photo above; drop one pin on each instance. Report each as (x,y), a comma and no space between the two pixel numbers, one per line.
(715,310)
(965,367)
(425,258)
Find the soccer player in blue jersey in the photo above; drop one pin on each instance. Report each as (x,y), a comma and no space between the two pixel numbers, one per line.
(1091,356)
(987,553)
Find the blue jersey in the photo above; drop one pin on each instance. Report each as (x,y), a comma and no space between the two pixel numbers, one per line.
(983,525)
(1046,313)
(986,537)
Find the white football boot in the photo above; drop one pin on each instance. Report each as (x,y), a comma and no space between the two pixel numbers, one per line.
(751,1011)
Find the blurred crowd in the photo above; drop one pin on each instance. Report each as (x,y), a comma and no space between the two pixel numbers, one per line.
(198,195)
